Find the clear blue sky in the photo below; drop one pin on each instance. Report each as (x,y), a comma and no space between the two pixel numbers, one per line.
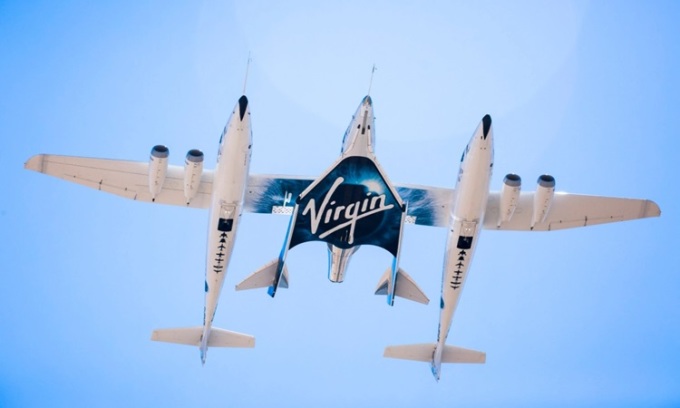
(587,92)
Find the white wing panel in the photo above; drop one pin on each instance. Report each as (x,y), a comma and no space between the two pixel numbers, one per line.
(129,179)
(570,211)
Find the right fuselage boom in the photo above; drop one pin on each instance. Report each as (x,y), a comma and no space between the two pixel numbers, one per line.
(471,194)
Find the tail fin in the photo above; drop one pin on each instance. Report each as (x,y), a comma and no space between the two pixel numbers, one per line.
(265,276)
(406,287)
(191,336)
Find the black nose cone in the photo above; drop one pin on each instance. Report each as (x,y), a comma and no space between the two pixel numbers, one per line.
(486,125)
(242,105)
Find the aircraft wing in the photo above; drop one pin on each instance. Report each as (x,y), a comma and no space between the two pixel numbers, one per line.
(570,211)
(129,179)
(276,194)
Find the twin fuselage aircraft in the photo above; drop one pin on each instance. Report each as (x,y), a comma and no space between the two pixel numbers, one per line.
(352,204)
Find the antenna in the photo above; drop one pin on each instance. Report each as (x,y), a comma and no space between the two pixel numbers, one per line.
(371,83)
(245,80)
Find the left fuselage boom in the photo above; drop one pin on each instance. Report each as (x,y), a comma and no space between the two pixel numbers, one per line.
(230,178)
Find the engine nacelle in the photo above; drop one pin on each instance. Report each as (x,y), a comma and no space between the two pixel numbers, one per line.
(512,185)
(545,191)
(193,168)
(158,168)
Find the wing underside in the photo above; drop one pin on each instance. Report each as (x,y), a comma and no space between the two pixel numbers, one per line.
(129,179)
(276,194)
(570,211)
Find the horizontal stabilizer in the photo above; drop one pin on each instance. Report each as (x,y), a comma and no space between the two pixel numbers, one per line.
(191,336)
(425,352)
(406,287)
(264,277)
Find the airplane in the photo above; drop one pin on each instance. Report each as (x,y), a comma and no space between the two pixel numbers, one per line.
(220,190)
(358,206)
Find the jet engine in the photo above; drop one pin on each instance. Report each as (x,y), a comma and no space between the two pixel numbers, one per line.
(512,184)
(545,191)
(193,168)
(158,168)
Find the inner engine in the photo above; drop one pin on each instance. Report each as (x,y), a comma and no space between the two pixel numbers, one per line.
(545,191)
(158,168)
(193,168)
(512,185)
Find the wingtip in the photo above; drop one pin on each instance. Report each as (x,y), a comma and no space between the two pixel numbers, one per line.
(652,209)
(35,163)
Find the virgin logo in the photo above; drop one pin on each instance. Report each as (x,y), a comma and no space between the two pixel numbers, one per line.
(330,212)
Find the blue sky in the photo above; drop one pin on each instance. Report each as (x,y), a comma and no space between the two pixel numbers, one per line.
(587,92)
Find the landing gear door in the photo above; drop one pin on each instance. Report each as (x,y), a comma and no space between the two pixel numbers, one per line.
(467,232)
(226,220)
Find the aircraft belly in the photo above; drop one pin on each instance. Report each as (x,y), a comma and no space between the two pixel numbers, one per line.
(461,244)
(227,198)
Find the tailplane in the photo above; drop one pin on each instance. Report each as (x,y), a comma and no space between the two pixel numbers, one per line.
(191,336)
(428,353)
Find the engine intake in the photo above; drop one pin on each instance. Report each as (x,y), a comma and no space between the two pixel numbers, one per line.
(193,169)
(512,185)
(545,192)
(158,168)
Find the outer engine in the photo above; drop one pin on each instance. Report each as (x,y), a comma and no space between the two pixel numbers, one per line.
(193,168)
(158,168)
(543,198)
(512,184)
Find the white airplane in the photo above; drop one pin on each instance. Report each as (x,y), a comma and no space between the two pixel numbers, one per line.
(357,206)
(220,190)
